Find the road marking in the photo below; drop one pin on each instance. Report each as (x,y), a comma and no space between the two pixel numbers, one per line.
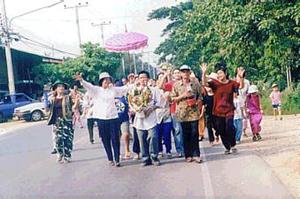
(207,185)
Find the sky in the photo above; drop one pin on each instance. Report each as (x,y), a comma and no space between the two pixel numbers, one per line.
(56,26)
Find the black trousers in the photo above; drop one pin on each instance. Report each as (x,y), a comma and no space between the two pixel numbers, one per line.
(109,131)
(190,138)
(90,126)
(210,126)
(224,126)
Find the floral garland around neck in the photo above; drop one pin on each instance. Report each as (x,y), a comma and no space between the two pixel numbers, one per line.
(139,98)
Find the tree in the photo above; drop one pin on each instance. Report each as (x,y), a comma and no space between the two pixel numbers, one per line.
(93,61)
(263,36)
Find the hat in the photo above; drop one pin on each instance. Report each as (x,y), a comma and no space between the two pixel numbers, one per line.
(130,75)
(184,67)
(104,75)
(274,85)
(165,66)
(55,85)
(253,89)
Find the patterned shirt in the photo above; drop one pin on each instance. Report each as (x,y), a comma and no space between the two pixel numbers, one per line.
(185,112)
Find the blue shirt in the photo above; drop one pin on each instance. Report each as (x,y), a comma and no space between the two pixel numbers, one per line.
(123,108)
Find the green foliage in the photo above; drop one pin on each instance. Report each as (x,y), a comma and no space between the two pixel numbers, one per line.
(290,101)
(93,61)
(262,36)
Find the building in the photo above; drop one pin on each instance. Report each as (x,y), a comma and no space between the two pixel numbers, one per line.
(23,63)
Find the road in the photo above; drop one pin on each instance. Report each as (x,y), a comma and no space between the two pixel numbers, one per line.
(29,171)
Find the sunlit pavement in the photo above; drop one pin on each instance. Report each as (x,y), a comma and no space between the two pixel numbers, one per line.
(29,171)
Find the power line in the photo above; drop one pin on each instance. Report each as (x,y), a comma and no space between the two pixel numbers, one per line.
(37,43)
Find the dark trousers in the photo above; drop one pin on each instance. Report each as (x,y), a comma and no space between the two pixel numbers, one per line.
(164,136)
(109,131)
(209,126)
(225,127)
(90,126)
(190,139)
(135,144)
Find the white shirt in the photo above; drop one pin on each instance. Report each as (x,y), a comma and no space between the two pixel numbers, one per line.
(104,100)
(243,92)
(163,114)
(88,105)
(142,123)
(238,108)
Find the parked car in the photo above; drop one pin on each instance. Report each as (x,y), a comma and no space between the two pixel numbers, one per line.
(31,112)
(10,102)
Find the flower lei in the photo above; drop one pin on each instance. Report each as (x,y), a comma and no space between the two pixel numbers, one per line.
(139,99)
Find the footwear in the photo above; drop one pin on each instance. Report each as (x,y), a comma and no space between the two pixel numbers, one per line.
(117,164)
(189,160)
(258,137)
(156,161)
(136,157)
(92,141)
(234,150)
(169,155)
(281,118)
(111,163)
(59,159)
(146,163)
(227,152)
(67,159)
(160,154)
(211,143)
(198,160)
(54,151)
(254,138)
(237,142)
(217,139)
(127,155)
(201,138)
(245,135)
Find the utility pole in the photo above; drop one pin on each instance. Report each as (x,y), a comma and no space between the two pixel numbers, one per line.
(10,71)
(76,7)
(102,29)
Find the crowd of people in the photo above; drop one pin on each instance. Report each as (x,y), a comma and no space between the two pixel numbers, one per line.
(150,112)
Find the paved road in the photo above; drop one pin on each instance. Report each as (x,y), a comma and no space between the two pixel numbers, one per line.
(27,170)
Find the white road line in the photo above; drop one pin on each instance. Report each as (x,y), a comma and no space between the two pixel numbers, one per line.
(208,189)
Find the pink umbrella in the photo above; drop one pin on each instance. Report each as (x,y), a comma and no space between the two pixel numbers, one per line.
(126,41)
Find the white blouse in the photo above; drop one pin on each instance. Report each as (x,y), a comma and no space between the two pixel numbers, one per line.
(104,100)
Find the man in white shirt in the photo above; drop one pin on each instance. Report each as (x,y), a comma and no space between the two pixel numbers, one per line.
(145,119)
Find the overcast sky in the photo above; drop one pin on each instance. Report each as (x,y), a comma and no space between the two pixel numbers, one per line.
(56,26)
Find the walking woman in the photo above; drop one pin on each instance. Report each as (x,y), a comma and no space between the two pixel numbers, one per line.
(106,114)
(223,108)
(61,119)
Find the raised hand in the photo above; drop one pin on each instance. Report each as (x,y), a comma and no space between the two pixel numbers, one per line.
(78,77)
(240,72)
(204,67)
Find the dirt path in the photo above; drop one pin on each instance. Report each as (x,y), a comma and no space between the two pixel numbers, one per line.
(280,148)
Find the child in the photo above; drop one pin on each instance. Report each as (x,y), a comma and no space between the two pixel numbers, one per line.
(255,111)
(238,118)
(275,97)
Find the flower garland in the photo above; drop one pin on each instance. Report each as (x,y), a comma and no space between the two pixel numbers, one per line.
(139,99)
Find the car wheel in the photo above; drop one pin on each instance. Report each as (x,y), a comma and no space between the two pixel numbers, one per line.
(36,115)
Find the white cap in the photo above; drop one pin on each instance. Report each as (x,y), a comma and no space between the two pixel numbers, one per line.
(253,89)
(104,75)
(184,67)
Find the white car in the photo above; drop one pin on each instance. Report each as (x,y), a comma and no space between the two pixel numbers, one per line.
(31,112)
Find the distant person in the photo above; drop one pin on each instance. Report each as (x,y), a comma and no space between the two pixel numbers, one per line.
(238,117)
(88,114)
(76,97)
(255,112)
(60,117)
(208,100)
(275,97)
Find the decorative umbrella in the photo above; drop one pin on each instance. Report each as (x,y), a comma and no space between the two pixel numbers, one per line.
(126,41)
